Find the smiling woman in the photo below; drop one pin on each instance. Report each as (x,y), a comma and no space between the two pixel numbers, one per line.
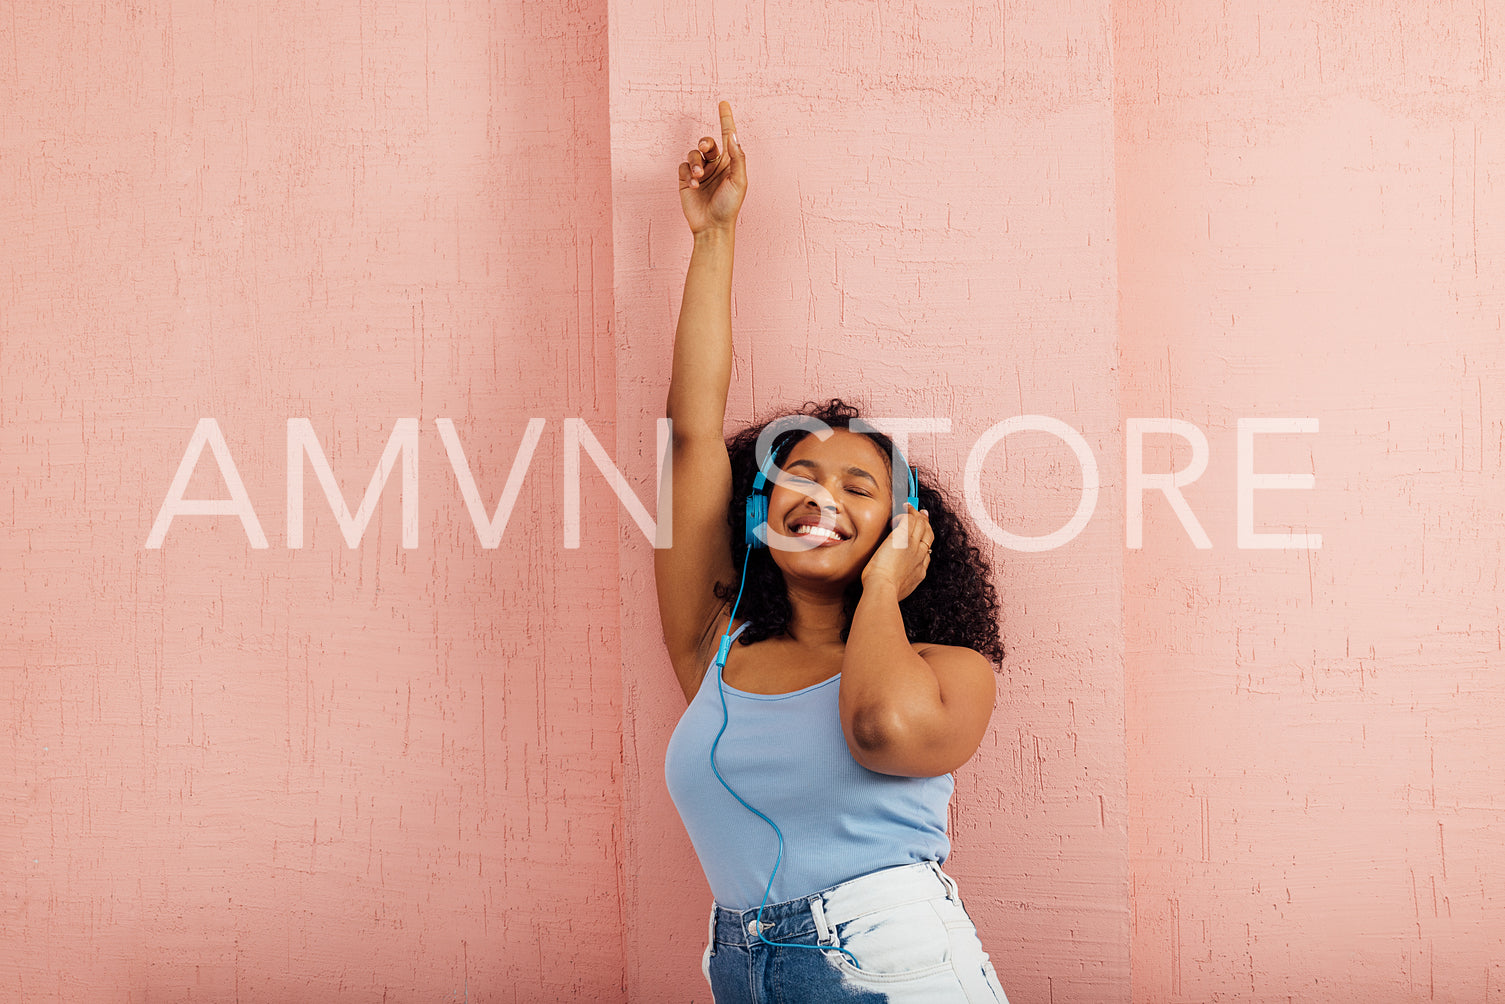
(812,766)
(953,604)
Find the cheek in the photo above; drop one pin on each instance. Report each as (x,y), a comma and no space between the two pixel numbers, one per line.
(879,516)
(781,499)
(874,524)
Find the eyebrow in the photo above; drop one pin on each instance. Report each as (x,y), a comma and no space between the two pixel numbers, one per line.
(856,471)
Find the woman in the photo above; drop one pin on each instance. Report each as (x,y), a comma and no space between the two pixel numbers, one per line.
(812,767)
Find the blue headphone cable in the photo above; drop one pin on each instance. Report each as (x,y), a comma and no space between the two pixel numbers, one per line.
(721,653)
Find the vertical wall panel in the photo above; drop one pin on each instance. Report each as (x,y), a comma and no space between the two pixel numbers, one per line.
(929,229)
(1309,205)
(316,774)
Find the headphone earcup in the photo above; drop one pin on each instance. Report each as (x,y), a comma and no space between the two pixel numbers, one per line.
(757,515)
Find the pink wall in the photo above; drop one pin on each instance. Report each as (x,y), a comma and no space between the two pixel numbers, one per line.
(1309,208)
(318,774)
(872,263)
(434,773)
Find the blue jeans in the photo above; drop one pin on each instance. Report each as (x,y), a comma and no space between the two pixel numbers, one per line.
(906,928)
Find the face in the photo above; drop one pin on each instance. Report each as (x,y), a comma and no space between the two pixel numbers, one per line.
(835,500)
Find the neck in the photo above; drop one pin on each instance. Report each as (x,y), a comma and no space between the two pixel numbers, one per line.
(816,616)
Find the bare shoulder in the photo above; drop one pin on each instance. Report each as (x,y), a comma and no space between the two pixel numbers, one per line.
(953,657)
(964,674)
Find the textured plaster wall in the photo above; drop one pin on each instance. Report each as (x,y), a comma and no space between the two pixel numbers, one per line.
(379,774)
(434,773)
(1310,200)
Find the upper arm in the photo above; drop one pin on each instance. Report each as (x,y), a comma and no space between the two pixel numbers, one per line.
(695,491)
(935,740)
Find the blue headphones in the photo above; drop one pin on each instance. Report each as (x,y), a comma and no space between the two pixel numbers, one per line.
(757,517)
(757,500)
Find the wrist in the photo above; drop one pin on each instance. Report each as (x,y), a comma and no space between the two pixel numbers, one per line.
(879,589)
(716,233)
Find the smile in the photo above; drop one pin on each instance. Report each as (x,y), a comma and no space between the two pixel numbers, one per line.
(816,530)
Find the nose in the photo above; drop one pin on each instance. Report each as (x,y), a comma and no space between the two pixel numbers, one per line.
(828,504)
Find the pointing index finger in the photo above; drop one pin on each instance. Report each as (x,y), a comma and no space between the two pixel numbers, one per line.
(728,127)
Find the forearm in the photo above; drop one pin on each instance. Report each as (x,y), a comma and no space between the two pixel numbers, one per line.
(702,367)
(889,695)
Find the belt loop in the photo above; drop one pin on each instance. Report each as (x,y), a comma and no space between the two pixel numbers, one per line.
(952,892)
(711,930)
(824,933)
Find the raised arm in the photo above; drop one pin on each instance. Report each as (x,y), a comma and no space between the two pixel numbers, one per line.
(697,486)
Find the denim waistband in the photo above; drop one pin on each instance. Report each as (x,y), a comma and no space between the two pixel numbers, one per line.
(820,912)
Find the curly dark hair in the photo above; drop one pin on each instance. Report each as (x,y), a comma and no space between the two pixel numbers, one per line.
(955,604)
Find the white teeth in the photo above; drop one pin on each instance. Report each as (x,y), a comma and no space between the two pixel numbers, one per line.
(810,528)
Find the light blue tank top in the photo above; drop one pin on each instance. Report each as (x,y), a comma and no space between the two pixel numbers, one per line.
(787,756)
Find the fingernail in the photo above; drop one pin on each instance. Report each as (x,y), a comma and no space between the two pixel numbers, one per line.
(734,139)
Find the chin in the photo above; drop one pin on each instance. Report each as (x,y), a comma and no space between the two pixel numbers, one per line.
(801,571)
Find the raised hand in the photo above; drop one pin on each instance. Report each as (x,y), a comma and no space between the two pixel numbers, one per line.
(713,179)
(904,566)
